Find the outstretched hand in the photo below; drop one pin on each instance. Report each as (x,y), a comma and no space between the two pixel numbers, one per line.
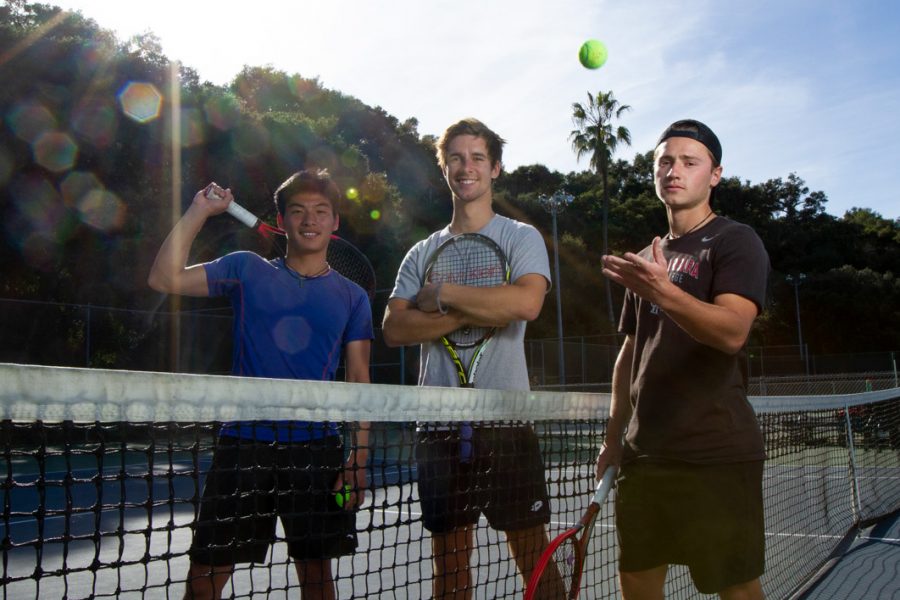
(645,278)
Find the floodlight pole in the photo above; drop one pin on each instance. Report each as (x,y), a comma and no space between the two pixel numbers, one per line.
(796,281)
(556,204)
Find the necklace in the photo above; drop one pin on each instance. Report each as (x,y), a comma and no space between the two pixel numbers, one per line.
(672,236)
(301,277)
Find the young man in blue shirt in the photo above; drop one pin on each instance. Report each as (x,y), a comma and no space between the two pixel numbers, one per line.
(293,317)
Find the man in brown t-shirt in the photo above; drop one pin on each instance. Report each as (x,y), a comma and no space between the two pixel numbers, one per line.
(681,429)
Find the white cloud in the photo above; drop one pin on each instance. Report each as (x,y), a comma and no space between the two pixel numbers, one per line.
(789,86)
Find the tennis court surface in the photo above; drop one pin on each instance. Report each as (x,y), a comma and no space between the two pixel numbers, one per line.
(102,473)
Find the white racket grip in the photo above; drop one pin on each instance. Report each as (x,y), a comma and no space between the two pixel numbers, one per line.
(606,483)
(242,214)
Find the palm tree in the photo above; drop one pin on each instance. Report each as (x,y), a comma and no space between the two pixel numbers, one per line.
(594,136)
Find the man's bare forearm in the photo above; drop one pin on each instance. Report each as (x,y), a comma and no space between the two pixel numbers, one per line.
(406,325)
(172,257)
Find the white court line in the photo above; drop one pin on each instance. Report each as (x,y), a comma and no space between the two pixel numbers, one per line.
(482,520)
(839,474)
(804,536)
(880,539)
(133,470)
(92,514)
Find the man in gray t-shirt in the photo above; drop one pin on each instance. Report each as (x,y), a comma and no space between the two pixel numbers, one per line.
(503,366)
(504,476)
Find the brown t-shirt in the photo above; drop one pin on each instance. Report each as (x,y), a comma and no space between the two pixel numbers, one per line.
(689,400)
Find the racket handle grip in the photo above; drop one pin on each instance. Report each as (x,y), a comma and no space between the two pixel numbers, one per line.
(606,483)
(234,209)
(242,214)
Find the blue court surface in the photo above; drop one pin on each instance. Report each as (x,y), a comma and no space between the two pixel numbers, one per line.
(869,568)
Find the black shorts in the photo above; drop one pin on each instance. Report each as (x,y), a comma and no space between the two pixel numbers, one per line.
(250,484)
(708,517)
(504,479)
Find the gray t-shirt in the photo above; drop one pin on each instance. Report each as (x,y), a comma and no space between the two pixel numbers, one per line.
(503,365)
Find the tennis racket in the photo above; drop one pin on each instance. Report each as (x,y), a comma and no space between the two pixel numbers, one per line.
(473,260)
(567,551)
(343,257)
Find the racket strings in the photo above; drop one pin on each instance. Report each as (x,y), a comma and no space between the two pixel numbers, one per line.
(352,264)
(474,263)
(566,559)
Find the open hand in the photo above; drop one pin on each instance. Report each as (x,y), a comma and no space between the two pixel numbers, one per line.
(645,278)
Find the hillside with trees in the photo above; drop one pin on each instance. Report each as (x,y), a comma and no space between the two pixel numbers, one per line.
(87,193)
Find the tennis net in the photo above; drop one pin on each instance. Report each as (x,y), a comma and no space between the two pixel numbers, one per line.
(103,472)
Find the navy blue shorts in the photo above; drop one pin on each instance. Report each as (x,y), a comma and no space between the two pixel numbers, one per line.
(708,517)
(251,484)
(502,479)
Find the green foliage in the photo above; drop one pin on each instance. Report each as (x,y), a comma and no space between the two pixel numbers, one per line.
(850,264)
(529,179)
(843,310)
(594,134)
(86,234)
(64,74)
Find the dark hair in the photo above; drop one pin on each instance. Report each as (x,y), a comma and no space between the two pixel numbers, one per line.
(474,127)
(697,131)
(318,182)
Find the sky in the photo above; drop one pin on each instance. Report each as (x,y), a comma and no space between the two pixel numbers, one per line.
(789,86)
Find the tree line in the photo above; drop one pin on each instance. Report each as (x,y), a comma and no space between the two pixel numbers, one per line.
(87,193)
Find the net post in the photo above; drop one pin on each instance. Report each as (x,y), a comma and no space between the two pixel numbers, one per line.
(894,363)
(856,503)
(87,335)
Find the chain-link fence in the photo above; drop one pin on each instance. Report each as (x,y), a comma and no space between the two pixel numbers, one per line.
(774,370)
(188,336)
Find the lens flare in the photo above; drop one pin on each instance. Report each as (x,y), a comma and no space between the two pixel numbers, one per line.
(55,151)
(193,128)
(301,87)
(293,334)
(77,185)
(249,139)
(102,210)
(140,101)
(88,59)
(323,157)
(223,113)
(95,124)
(38,209)
(6,166)
(352,193)
(289,143)
(375,214)
(28,121)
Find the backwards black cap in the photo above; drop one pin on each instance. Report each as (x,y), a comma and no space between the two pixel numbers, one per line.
(694,130)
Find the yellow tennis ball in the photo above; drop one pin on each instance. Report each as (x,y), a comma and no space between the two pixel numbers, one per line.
(592,54)
(342,497)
